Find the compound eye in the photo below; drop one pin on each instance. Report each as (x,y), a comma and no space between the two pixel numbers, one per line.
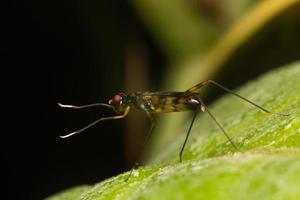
(116,100)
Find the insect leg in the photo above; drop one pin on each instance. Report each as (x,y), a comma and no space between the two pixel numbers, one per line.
(97,121)
(200,85)
(137,164)
(152,121)
(216,121)
(187,135)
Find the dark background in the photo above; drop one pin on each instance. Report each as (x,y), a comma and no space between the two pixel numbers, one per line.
(70,52)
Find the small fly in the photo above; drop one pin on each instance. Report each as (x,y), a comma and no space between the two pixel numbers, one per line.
(162,102)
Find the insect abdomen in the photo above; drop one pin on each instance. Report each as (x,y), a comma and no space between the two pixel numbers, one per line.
(172,104)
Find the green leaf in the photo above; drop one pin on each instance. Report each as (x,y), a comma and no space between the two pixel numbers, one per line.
(266,166)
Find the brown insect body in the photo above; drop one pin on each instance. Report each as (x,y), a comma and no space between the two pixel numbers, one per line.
(162,102)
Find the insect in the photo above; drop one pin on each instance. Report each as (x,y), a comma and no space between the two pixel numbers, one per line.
(161,102)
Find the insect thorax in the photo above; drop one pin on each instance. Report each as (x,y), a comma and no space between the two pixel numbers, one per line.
(135,99)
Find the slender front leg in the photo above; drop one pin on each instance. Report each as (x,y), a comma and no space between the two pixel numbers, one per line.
(152,121)
(137,164)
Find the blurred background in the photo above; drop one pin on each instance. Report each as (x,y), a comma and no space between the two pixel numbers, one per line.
(82,52)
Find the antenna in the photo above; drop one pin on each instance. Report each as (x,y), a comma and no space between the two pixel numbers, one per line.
(86,106)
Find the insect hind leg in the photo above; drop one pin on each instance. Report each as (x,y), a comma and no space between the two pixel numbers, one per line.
(187,135)
(204,83)
(204,108)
